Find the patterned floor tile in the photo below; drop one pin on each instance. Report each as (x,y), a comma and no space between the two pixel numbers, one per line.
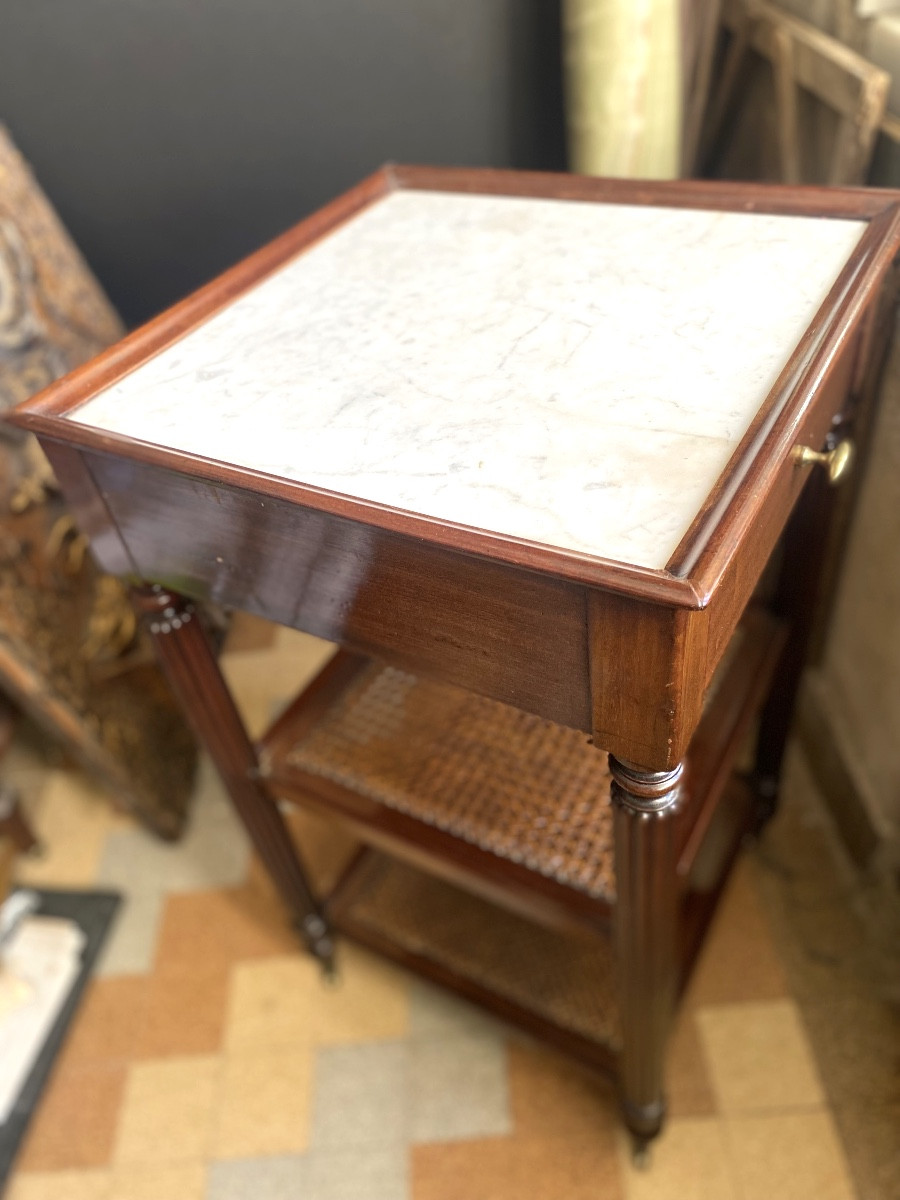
(75,1123)
(60,1185)
(360,1173)
(759,1057)
(514,1168)
(183,1181)
(263,1104)
(167,1112)
(795,1155)
(276,1178)
(689,1161)
(361,1096)
(459,1088)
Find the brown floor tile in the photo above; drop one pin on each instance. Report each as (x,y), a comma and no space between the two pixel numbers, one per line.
(219,927)
(739,960)
(108,1023)
(75,1123)
(689,1090)
(513,1168)
(185,1012)
(871,1139)
(551,1096)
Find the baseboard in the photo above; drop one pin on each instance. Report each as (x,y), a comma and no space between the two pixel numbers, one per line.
(837,775)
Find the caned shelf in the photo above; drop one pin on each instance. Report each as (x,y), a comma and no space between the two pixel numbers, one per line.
(502,802)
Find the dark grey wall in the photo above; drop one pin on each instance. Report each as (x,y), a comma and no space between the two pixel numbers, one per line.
(174,136)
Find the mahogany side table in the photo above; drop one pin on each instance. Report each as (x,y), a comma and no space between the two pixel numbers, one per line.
(523,445)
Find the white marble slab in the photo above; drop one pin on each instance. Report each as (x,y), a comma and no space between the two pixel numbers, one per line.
(570,373)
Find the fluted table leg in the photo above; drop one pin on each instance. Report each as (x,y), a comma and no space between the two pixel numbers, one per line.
(190,664)
(646,930)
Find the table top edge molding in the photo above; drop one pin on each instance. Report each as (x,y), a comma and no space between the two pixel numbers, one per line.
(644,583)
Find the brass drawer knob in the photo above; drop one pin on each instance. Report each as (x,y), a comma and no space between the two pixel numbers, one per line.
(837,461)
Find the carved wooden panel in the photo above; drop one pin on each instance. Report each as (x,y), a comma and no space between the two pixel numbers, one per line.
(69,652)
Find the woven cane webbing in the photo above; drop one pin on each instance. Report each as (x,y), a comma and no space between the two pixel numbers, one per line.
(567,979)
(508,782)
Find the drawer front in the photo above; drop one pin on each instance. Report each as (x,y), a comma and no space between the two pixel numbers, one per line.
(754,547)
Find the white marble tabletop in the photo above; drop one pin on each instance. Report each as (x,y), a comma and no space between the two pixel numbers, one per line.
(571,373)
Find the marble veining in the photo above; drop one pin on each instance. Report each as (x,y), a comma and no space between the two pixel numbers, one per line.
(574,374)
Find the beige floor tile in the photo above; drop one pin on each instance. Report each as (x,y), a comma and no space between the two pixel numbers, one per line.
(689,1091)
(271,1003)
(264,680)
(759,1057)
(739,960)
(792,1155)
(689,1161)
(183,1181)
(369,1000)
(264,1104)
(72,818)
(167,1112)
(60,1185)
(285,1001)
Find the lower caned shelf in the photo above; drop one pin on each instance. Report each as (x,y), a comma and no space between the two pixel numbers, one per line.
(489,864)
(559,985)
